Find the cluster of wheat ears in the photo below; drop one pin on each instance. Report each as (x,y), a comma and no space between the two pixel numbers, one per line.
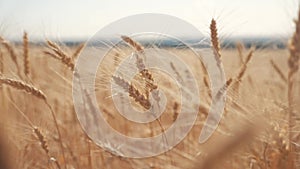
(268,117)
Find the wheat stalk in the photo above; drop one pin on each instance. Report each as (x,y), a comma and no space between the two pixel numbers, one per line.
(12,53)
(244,66)
(216,45)
(240,47)
(78,50)
(145,73)
(23,86)
(278,71)
(26,54)
(59,54)
(138,47)
(38,133)
(133,92)
(293,63)
(20,85)
(1,62)
(223,89)
(175,111)
(1,65)
(41,139)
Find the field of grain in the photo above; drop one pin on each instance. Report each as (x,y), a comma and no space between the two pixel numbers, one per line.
(259,128)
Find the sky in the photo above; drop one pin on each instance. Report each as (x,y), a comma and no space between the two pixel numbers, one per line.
(81,19)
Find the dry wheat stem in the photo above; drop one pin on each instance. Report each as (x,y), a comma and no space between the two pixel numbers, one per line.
(176,71)
(240,47)
(278,71)
(58,131)
(244,66)
(60,55)
(293,63)
(12,53)
(133,43)
(223,89)
(20,85)
(37,132)
(1,62)
(26,54)
(1,65)
(78,50)
(238,79)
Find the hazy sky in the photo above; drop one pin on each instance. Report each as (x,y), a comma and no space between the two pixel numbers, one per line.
(63,19)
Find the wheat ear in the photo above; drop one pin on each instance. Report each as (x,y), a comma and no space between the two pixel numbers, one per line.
(20,85)
(44,145)
(175,111)
(12,53)
(23,86)
(244,66)
(78,50)
(60,55)
(214,38)
(133,92)
(37,132)
(138,47)
(145,73)
(26,54)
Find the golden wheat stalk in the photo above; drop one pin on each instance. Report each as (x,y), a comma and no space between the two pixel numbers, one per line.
(133,92)
(214,38)
(235,82)
(29,89)
(37,132)
(26,54)
(278,71)
(216,45)
(175,111)
(78,50)
(41,139)
(240,47)
(293,63)
(1,62)
(12,53)
(54,47)
(223,89)
(59,54)
(244,66)
(145,73)
(20,85)
(1,65)
(138,47)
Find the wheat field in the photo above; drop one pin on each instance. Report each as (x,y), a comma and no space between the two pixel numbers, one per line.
(259,128)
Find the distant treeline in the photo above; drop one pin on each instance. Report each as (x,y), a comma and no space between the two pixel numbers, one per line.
(261,43)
